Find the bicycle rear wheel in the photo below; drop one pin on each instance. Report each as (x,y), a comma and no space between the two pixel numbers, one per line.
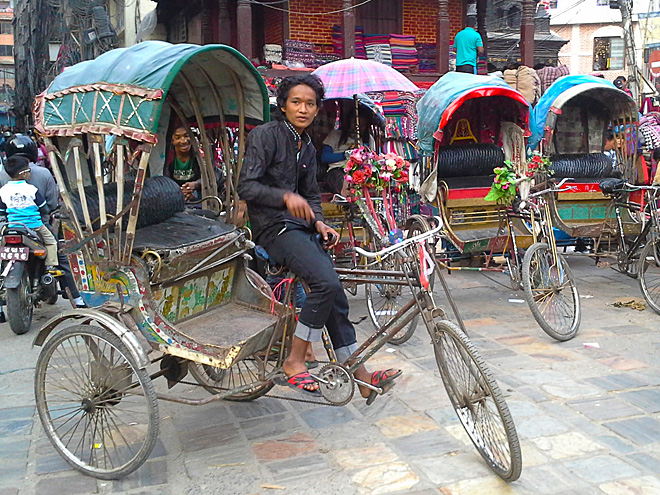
(649,274)
(477,400)
(550,292)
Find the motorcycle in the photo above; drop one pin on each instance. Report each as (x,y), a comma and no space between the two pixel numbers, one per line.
(24,280)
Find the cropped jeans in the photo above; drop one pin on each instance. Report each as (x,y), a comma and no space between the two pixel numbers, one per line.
(326,304)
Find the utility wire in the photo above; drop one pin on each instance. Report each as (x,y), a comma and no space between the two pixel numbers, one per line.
(270,6)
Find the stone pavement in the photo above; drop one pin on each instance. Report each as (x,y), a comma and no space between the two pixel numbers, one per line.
(587,413)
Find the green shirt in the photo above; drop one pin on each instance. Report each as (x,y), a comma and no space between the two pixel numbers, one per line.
(183,171)
(466,43)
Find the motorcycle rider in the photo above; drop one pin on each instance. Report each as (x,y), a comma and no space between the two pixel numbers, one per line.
(43,180)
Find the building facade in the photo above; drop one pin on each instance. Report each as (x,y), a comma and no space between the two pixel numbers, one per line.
(596,43)
(7,71)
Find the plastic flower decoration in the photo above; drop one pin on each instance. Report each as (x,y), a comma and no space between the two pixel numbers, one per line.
(366,169)
(537,164)
(503,189)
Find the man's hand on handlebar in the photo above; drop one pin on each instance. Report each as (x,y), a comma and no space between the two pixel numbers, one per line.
(329,235)
(298,206)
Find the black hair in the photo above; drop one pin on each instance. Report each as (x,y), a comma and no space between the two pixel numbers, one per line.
(609,134)
(656,154)
(284,88)
(15,165)
(471,22)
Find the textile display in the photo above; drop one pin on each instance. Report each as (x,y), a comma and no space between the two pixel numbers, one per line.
(273,53)
(338,41)
(380,53)
(300,51)
(427,56)
(404,52)
(649,127)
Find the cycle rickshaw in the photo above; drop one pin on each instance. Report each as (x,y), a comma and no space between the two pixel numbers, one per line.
(468,126)
(171,290)
(613,218)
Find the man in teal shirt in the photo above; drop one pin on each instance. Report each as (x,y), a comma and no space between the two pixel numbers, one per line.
(468,43)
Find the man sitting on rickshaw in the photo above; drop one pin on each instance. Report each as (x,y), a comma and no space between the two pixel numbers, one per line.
(278,182)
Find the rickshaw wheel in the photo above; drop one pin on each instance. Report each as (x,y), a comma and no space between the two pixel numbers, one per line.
(245,372)
(649,274)
(477,400)
(551,293)
(97,407)
(384,301)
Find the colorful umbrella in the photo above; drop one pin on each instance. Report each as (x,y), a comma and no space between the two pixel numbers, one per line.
(348,77)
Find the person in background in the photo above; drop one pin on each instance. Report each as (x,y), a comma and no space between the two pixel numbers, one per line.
(622,83)
(338,145)
(22,203)
(609,149)
(656,172)
(184,169)
(43,180)
(468,45)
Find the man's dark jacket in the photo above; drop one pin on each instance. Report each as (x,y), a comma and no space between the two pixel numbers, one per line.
(270,169)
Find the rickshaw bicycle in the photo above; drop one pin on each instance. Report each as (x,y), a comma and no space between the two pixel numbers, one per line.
(469,125)
(637,252)
(170,287)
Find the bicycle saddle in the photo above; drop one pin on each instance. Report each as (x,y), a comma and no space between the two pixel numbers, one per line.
(610,186)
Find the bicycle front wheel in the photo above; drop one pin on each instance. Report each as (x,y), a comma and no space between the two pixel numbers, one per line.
(477,400)
(649,274)
(550,292)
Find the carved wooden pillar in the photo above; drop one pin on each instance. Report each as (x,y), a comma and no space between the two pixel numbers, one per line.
(244,28)
(348,29)
(481,23)
(442,37)
(527,33)
(224,22)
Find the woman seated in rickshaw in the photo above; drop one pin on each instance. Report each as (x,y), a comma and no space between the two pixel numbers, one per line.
(338,144)
(278,182)
(183,168)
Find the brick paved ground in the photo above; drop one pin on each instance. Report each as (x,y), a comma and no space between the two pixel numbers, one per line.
(588,417)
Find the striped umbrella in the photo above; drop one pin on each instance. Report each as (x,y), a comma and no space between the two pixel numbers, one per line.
(348,77)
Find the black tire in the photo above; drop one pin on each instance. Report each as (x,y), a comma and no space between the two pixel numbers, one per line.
(19,306)
(244,372)
(477,400)
(649,274)
(84,383)
(551,293)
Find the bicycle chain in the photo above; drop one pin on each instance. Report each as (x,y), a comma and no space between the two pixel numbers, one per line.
(274,396)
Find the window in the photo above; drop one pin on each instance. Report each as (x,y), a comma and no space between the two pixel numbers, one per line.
(6,50)
(6,28)
(608,53)
(552,4)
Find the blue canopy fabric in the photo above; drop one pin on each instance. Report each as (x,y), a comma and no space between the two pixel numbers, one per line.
(540,111)
(447,90)
(123,91)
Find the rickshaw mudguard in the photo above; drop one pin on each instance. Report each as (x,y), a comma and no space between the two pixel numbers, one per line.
(13,278)
(104,320)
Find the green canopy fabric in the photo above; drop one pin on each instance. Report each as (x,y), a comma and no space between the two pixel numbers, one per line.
(123,91)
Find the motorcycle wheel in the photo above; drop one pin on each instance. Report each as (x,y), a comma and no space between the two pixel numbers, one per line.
(19,306)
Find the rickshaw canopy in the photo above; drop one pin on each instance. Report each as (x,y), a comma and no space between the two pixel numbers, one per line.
(448,93)
(567,87)
(123,91)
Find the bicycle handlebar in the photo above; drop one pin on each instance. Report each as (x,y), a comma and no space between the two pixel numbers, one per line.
(396,247)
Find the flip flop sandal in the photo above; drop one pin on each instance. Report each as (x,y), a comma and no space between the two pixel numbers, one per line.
(382,380)
(297,382)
